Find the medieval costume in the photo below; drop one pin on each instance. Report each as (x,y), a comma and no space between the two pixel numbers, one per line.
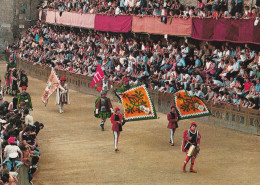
(125,85)
(24,100)
(8,81)
(62,96)
(190,145)
(103,109)
(172,118)
(11,65)
(2,93)
(106,84)
(8,75)
(14,85)
(116,120)
(23,79)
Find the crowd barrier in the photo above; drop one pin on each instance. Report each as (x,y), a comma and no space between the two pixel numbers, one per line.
(71,19)
(246,120)
(121,23)
(153,25)
(240,31)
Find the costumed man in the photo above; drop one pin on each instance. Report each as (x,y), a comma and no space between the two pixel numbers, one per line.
(14,85)
(2,93)
(116,120)
(8,80)
(23,79)
(24,100)
(11,64)
(172,118)
(103,108)
(62,96)
(106,83)
(190,145)
(125,85)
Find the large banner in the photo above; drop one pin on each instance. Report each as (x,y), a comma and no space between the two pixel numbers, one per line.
(52,85)
(153,25)
(240,31)
(71,19)
(188,106)
(137,104)
(122,23)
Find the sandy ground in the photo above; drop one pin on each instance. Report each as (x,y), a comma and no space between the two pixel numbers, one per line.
(75,151)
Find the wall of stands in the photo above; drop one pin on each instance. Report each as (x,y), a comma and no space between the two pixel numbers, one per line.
(240,31)
(246,120)
(122,24)
(71,19)
(153,25)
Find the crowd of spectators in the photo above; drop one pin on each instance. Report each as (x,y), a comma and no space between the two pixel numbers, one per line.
(225,74)
(163,8)
(19,142)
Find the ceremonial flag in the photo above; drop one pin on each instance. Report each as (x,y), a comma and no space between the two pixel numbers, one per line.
(188,106)
(98,76)
(52,85)
(137,104)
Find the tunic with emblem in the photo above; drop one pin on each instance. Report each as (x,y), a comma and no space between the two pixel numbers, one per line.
(172,118)
(186,143)
(103,105)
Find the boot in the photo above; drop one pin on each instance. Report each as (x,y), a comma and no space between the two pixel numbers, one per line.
(185,162)
(102,127)
(192,165)
(184,167)
(60,108)
(193,171)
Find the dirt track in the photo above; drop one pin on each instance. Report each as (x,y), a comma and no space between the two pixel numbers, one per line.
(75,151)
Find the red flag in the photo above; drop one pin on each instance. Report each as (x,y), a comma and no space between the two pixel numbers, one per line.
(98,76)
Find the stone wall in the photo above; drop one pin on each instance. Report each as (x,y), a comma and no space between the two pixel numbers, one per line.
(16,16)
(23,177)
(6,22)
(246,120)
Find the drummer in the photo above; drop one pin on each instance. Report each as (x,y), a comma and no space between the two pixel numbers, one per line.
(190,137)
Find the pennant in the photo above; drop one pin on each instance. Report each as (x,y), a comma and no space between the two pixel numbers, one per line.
(52,85)
(137,104)
(189,106)
(98,76)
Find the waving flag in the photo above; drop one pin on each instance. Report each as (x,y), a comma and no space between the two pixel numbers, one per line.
(52,85)
(189,106)
(137,104)
(98,76)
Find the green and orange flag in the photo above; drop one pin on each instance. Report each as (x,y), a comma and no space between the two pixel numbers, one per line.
(137,104)
(188,106)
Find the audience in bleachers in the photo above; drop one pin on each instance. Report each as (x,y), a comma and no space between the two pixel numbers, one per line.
(19,144)
(163,8)
(230,74)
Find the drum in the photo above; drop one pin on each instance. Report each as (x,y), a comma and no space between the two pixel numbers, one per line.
(193,151)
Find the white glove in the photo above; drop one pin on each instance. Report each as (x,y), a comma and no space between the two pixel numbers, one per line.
(112,111)
(96,111)
(25,100)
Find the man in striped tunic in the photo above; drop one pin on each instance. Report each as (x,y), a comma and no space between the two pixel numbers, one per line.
(63,96)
